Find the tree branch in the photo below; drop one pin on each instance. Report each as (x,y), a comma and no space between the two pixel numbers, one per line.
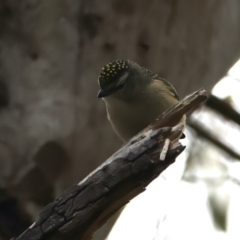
(83,208)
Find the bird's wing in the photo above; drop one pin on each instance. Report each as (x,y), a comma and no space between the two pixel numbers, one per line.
(168,84)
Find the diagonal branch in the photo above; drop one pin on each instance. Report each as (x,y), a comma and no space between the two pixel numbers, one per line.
(83,208)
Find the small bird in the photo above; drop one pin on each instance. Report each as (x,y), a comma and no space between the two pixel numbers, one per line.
(134,96)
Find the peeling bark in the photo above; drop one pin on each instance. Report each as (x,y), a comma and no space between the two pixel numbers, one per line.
(85,207)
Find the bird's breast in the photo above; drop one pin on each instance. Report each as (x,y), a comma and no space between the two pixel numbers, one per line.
(128,119)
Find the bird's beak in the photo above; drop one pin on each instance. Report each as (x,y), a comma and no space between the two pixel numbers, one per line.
(104,93)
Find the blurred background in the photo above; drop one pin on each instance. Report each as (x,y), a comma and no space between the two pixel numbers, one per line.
(54,130)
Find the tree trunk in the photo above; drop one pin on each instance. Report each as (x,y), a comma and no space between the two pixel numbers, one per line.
(50,56)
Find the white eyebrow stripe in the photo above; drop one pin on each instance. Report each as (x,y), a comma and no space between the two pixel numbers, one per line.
(122,78)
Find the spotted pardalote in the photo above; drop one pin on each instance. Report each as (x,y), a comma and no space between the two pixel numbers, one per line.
(134,96)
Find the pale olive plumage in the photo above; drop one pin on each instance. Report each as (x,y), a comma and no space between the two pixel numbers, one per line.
(134,96)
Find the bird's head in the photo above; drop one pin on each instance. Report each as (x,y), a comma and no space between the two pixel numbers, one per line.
(116,76)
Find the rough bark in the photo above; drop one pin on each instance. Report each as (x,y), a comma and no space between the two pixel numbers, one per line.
(83,208)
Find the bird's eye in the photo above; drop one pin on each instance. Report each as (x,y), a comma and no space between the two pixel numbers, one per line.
(122,79)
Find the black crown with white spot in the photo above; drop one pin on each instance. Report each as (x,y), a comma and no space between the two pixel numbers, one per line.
(112,72)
